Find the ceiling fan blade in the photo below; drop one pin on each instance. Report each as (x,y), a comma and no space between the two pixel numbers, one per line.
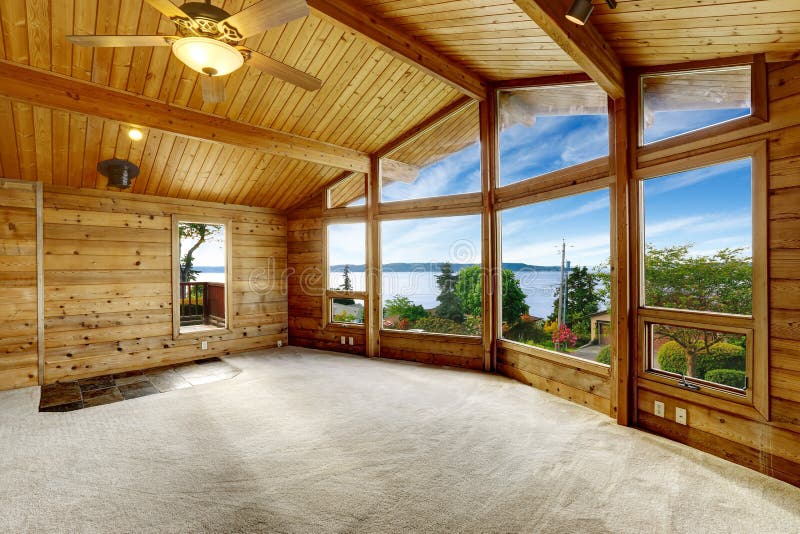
(167,8)
(121,40)
(281,70)
(213,88)
(266,14)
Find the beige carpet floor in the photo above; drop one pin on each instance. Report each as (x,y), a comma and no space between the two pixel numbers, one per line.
(305,441)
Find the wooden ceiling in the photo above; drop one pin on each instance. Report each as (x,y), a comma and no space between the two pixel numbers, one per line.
(370,95)
(658,32)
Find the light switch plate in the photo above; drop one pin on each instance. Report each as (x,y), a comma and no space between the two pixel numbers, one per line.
(204,345)
(342,340)
(680,415)
(658,408)
(350,340)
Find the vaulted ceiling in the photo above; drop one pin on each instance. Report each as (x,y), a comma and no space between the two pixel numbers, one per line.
(371,94)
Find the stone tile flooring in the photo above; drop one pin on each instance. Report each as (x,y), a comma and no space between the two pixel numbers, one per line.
(88,392)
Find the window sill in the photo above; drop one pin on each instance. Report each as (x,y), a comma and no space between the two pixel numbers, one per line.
(200,331)
(594,368)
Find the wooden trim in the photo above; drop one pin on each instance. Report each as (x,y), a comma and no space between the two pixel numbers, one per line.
(340,294)
(463,204)
(373,275)
(706,64)
(542,81)
(490,309)
(432,336)
(40,341)
(620,263)
(690,317)
(35,86)
(425,126)
(555,357)
(713,157)
(584,44)
(551,181)
(571,184)
(345,214)
(401,45)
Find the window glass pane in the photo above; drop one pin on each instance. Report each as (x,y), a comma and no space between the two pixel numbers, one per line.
(347,311)
(431,275)
(544,306)
(682,102)
(544,129)
(698,229)
(349,191)
(202,276)
(444,161)
(710,355)
(347,256)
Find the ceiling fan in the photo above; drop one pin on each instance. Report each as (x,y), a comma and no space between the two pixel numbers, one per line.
(209,38)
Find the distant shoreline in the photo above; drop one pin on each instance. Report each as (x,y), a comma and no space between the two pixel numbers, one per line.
(436,267)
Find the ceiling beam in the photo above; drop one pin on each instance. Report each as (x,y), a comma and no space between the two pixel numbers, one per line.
(50,90)
(401,45)
(584,44)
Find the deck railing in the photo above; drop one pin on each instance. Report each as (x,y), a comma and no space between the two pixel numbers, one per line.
(202,303)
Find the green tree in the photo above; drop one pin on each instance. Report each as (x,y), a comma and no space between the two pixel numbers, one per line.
(404,308)
(449,304)
(347,285)
(199,234)
(583,300)
(469,290)
(719,282)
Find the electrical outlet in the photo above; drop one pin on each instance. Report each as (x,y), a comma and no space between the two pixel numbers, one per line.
(658,408)
(680,415)
(350,340)
(280,343)
(343,340)
(204,345)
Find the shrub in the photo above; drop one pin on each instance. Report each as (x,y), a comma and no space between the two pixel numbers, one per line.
(672,358)
(728,377)
(404,308)
(527,329)
(604,356)
(440,325)
(721,356)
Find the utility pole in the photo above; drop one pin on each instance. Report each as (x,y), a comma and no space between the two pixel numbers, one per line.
(561,300)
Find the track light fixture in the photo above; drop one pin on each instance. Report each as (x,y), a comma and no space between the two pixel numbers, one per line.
(581,10)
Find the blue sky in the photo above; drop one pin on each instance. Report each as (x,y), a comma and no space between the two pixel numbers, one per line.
(710,207)
(671,123)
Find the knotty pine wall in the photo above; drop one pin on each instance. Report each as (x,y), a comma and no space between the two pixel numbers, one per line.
(770,447)
(19,350)
(107,283)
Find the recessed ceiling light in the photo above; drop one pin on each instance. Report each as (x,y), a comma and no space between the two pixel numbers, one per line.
(135,134)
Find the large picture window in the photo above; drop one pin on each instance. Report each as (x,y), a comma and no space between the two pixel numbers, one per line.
(702,254)
(556,277)
(431,275)
(545,129)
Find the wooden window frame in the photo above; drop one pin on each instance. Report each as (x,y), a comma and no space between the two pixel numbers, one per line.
(755,402)
(759,105)
(176,278)
(329,294)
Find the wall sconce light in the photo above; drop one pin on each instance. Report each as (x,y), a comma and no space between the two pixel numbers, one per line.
(581,10)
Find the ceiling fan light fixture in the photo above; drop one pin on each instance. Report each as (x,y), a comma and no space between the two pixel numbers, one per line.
(580,11)
(208,56)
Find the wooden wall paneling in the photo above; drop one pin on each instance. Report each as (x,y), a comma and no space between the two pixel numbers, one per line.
(20,299)
(108,293)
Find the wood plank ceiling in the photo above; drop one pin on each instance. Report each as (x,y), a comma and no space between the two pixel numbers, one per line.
(657,32)
(368,98)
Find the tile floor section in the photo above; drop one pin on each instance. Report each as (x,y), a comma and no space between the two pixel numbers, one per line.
(88,392)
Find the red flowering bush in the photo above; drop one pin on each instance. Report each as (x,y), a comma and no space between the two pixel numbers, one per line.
(565,336)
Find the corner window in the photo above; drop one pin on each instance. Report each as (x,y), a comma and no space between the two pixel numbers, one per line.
(680,102)
(202,275)
(346,289)
(545,129)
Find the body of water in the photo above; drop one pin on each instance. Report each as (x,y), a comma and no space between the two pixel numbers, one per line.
(420,287)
